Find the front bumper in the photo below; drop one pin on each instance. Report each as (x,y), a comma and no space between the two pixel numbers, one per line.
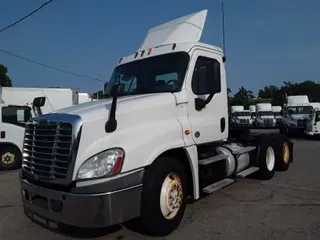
(244,125)
(310,133)
(87,210)
(265,125)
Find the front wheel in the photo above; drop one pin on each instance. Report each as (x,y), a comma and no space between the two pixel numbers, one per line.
(164,196)
(10,158)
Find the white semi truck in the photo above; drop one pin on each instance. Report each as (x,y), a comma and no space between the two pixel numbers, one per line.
(264,116)
(240,117)
(163,136)
(297,112)
(277,111)
(253,110)
(313,125)
(13,119)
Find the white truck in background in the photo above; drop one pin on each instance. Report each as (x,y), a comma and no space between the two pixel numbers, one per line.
(162,137)
(240,117)
(313,125)
(56,98)
(84,97)
(264,116)
(296,114)
(277,111)
(253,109)
(13,119)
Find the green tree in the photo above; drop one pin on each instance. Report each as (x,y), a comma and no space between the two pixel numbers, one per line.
(97,95)
(268,92)
(5,80)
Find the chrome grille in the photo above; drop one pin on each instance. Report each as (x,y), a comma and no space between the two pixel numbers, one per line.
(244,120)
(302,123)
(50,147)
(47,149)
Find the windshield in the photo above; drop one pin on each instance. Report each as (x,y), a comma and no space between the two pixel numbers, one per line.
(300,110)
(253,114)
(163,73)
(16,115)
(277,114)
(242,114)
(265,113)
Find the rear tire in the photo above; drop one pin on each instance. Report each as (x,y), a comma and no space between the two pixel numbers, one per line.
(266,157)
(164,196)
(10,158)
(283,152)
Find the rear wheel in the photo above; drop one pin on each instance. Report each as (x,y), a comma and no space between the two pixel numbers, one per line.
(10,158)
(164,196)
(266,158)
(283,153)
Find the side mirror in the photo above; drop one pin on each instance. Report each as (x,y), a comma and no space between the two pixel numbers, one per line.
(39,101)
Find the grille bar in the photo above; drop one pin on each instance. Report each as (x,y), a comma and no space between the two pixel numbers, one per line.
(47,149)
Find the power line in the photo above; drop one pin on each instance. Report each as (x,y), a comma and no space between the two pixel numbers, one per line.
(51,67)
(26,16)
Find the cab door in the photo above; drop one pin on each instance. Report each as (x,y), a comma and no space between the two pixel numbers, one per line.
(206,85)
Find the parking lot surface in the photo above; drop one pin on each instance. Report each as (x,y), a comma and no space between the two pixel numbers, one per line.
(285,207)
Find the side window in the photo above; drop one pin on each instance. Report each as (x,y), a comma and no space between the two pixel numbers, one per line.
(16,115)
(206,76)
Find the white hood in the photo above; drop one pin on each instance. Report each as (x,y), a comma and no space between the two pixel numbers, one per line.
(96,110)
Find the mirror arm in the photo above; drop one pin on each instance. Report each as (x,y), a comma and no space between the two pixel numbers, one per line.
(111,124)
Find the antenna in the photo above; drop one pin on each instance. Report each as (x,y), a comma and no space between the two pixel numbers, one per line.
(223,32)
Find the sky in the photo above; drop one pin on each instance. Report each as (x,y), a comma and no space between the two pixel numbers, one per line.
(267,42)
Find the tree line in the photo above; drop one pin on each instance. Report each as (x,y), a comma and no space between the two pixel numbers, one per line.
(275,95)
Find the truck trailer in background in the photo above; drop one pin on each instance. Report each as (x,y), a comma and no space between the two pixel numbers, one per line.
(84,97)
(56,98)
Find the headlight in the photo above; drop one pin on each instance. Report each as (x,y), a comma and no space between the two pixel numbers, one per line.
(107,163)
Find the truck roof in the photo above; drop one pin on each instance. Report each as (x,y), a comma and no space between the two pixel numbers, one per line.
(297,99)
(181,34)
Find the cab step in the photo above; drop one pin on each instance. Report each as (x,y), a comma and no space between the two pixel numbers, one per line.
(244,150)
(247,172)
(213,159)
(218,185)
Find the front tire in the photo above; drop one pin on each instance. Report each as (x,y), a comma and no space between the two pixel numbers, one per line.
(164,196)
(10,158)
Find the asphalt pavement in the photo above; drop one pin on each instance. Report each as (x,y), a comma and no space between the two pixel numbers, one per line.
(286,207)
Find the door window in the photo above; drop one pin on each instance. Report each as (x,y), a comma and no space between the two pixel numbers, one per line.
(16,115)
(206,77)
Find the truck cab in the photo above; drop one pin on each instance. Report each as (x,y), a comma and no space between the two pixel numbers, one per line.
(313,125)
(264,116)
(297,112)
(277,111)
(162,136)
(13,119)
(240,117)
